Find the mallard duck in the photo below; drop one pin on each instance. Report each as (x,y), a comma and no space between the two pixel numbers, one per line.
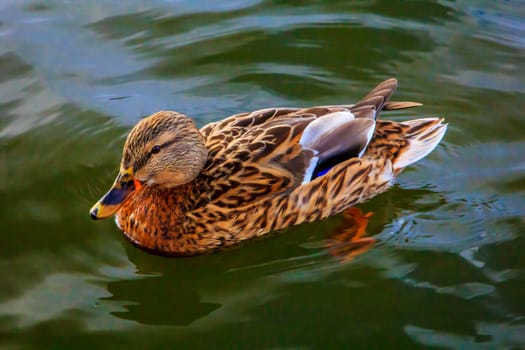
(184,191)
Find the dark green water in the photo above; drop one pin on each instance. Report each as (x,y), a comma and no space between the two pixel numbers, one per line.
(449,268)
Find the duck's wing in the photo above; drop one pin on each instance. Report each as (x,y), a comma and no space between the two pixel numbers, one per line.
(249,165)
(253,156)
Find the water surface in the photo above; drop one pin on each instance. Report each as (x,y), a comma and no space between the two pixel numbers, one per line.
(448,268)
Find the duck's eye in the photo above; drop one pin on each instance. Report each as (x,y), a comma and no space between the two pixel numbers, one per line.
(155,149)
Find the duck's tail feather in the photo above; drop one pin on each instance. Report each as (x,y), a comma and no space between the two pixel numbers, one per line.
(423,135)
(371,105)
(394,105)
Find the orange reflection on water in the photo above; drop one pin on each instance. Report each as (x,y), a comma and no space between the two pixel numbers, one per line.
(348,241)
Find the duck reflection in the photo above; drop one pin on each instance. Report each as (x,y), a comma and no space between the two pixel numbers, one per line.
(153,301)
(348,240)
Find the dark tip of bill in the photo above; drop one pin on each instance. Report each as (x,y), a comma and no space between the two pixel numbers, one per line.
(94,213)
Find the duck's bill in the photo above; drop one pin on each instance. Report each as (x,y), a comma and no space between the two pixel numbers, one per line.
(123,187)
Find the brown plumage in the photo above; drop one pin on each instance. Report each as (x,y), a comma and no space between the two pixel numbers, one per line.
(184,191)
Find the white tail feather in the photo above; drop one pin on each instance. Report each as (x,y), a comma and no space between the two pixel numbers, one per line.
(421,142)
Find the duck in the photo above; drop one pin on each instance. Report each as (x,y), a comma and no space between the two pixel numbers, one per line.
(183,191)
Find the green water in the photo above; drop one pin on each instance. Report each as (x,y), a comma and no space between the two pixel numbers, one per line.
(448,270)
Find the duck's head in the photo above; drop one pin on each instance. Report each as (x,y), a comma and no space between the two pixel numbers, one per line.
(165,149)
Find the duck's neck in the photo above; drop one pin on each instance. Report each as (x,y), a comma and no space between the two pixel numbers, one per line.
(153,217)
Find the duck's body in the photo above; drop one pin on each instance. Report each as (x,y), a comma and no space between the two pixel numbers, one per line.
(257,172)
